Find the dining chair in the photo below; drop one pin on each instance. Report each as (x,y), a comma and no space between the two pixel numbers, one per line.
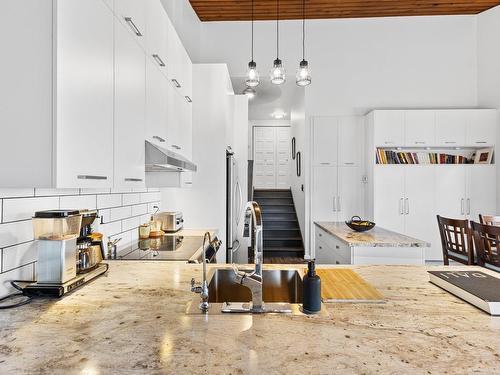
(489,220)
(487,242)
(456,240)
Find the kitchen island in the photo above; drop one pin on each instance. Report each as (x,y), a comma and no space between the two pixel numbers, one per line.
(336,243)
(133,321)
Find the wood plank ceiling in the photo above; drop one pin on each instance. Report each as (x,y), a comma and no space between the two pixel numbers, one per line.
(240,10)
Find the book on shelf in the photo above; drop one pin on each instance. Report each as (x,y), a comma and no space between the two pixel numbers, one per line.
(404,157)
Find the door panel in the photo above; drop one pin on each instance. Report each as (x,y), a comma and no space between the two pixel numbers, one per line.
(389,128)
(348,201)
(451,127)
(481,191)
(389,196)
(481,130)
(450,191)
(325,193)
(283,158)
(420,128)
(325,141)
(350,141)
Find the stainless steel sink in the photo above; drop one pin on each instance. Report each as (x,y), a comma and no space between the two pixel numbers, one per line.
(277,286)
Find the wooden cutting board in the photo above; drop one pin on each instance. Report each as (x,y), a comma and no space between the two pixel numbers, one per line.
(345,285)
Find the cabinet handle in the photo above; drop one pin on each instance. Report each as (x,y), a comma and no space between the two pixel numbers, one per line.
(338,203)
(401,209)
(337,246)
(407,206)
(325,163)
(176,147)
(321,248)
(350,163)
(320,234)
(450,143)
(462,206)
(132,25)
(388,143)
(420,143)
(337,262)
(176,83)
(468,206)
(188,99)
(188,183)
(334,204)
(89,177)
(133,179)
(159,60)
(158,138)
(481,142)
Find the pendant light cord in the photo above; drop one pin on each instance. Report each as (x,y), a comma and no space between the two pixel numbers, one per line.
(277,29)
(303,29)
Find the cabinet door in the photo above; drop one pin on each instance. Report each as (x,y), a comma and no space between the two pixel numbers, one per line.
(350,198)
(177,108)
(84,94)
(283,157)
(325,193)
(264,158)
(451,127)
(450,191)
(389,128)
(156,105)
(185,130)
(481,191)
(481,129)
(174,57)
(132,13)
(156,33)
(420,208)
(388,202)
(130,100)
(350,141)
(420,128)
(325,141)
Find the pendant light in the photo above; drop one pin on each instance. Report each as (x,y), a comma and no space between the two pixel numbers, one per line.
(303,77)
(277,74)
(252,79)
(249,92)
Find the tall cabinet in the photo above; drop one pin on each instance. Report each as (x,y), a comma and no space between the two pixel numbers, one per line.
(407,197)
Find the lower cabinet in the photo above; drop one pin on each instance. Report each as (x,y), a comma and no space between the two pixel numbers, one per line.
(329,250)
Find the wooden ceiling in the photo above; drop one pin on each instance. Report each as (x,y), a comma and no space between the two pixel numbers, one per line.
(241,10)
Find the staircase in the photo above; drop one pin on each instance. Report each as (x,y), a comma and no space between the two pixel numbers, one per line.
(282,237)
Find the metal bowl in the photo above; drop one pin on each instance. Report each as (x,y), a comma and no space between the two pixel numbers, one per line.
(359,225)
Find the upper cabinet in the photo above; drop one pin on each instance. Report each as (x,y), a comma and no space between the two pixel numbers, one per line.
(156,30)
(180,69)
(451,127)
(420,128)
(132,13)
(481,130)
(389,128)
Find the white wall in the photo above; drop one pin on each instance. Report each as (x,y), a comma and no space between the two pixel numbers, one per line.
(488,61)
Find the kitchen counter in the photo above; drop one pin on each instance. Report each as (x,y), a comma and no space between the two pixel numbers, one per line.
(133,321)
(376,237)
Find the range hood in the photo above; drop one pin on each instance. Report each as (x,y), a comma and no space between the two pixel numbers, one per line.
(159,159)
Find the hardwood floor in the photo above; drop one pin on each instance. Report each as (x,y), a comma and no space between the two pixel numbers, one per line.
(283,260)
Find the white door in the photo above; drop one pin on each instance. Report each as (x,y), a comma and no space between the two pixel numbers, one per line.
(389,128)
(388,205)
(132,13)
(420,208)
(420,128)
(451,127)
(450,191)
(264,158)
(84,94)
(156,105)
(350,141)
(481,130)
(324,199)
(481,191)
(130,100)
(283,158)
(156,33)
(325,141)
(349,193)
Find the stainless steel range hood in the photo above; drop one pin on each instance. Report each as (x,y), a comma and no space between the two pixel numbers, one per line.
(159,159)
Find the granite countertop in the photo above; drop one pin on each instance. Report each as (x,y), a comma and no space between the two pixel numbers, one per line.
(377,237)
(133,321)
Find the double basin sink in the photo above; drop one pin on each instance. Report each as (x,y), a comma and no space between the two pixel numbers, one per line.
(278,287)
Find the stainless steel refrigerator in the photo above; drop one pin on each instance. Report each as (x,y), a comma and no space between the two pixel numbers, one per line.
(234,205)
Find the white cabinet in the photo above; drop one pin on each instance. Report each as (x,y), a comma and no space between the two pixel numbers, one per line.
(388,201)
(156,33)
(132,13)
(84,94)
(325,141)
(450,191)
(157,99)
(481,191)
(451,127)
(325,193)
(420,128)
(349,140)
(389,128)
(349,203)
(129,129)
(481,129)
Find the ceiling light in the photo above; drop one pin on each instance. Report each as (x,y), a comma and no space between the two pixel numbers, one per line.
(303,77)
(253,78)
(277,74)
(249,92)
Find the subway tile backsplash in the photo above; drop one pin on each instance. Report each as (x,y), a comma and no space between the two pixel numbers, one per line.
(121,211)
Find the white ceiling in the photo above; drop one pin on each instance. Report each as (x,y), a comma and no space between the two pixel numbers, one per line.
(270,99)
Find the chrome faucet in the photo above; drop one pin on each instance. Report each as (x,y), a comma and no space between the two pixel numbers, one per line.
(202,289)
(253,280)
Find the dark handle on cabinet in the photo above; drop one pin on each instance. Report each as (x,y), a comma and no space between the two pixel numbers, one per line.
(188,183)
(176,83)
(90,177)
(158,60)
(299,163)
(294,150)
(158,138)
(188,99)
(337,262)
(133,179)
(176,147)
(132,25)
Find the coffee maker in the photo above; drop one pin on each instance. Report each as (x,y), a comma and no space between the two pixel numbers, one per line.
(89,244)
(58,235)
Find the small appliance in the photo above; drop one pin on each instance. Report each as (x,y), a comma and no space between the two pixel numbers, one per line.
(170,221)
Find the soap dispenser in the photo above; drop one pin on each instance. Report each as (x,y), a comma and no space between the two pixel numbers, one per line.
(311,290)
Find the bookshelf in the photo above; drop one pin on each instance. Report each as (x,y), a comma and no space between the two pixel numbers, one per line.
(429,155)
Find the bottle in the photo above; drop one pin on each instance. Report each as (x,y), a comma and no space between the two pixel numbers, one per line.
(311,290)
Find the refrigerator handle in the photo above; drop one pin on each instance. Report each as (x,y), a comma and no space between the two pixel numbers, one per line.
(240,202)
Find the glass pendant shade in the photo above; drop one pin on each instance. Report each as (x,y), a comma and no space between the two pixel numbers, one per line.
(303,77)
(253,78)
(249,92)
(277,74)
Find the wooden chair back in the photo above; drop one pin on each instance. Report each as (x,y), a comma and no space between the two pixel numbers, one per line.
(456,240)
(487,241)
(489,220)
